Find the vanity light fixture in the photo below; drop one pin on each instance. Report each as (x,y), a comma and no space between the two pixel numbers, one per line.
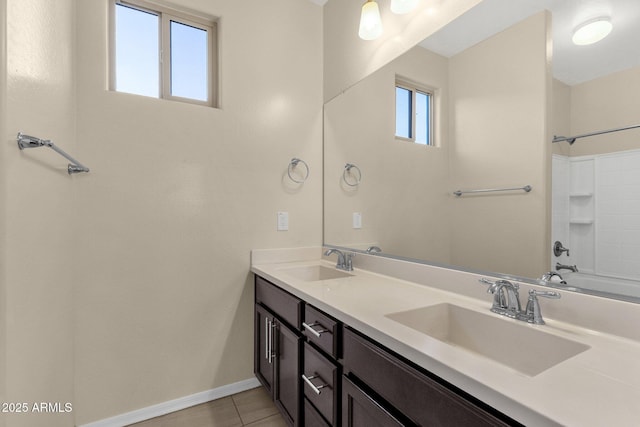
(401,7)
(370,22)
(592,31)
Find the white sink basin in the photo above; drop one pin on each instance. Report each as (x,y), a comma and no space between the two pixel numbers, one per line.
(523,347)
(314,273)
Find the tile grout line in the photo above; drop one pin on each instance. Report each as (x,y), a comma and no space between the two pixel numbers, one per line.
(237,410)
(254,421)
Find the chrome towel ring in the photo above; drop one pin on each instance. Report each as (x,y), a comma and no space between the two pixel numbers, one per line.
(347,171)
(292,164)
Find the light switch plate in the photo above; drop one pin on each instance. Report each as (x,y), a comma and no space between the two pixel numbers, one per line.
(283,221)
(357,220)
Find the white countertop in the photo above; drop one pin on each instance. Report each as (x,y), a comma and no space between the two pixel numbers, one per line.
(598,387)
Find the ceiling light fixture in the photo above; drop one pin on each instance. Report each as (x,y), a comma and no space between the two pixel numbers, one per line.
(370,22)
(401,7)
(592,31)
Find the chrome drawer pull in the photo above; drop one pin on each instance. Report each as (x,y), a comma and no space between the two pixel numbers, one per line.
(313,331)
(272,329)
(316,388)
(267,338)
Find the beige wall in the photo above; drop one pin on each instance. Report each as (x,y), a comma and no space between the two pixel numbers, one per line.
(606,103)
(38,203)
(4,147)
(500,95)
(130,285)
(401,196)
(561,120)
(348,59)
(177,198)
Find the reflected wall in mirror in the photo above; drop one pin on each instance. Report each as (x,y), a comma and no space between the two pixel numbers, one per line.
(496,108)
(489,131)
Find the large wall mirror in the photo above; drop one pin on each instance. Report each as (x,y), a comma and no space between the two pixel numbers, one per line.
(476,107)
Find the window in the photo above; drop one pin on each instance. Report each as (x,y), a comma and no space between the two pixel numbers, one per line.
(163,53)
(414,113)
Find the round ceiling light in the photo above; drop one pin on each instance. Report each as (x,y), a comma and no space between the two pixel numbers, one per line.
(401,7)
(592,31)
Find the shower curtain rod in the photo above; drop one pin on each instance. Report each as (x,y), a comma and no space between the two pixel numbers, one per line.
(26,141)
(572,139)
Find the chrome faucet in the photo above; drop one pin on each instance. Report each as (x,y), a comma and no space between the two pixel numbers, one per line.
(549,275)
(344,259)
(506,301)
(566,267)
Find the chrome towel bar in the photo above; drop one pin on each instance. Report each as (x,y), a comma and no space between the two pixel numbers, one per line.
(526,189)
(26,141)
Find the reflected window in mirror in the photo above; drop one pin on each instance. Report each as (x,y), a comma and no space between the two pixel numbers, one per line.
(414,113)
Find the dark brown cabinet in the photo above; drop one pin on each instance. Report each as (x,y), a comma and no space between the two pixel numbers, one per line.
(322,330)
(340,377)
(410,392)
(361,410)
(277,348)
(321,383)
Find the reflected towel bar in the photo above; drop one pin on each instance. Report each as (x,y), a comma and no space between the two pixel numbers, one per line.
(26,141)
(572,139)
(526,188)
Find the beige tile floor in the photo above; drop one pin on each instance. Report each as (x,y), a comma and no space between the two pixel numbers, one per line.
(251,408)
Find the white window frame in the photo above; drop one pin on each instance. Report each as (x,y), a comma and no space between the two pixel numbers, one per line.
(414,88)
(167,14)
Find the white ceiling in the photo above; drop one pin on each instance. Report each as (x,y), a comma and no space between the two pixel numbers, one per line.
(571,64)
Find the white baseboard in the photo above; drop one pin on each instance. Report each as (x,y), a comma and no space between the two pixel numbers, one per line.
(175,405)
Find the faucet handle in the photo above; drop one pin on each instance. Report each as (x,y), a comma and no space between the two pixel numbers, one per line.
(532,312)
(486,281)
(558,249)
(545,294)
(348,261)
(493,286)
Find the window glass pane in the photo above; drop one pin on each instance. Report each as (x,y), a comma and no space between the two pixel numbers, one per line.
(137,52)
(423,115)
(403,112)
(189,62)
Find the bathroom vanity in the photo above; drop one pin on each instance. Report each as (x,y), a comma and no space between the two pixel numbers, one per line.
(394,343)
(346,377)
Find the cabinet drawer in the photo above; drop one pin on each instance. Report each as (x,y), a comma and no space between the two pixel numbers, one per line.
(421,398)
(282,303)
(320,383)
(311,417)
(321,330)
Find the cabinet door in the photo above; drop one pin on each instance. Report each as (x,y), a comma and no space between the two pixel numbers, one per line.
(360,410)
(288,377)
(264,354)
